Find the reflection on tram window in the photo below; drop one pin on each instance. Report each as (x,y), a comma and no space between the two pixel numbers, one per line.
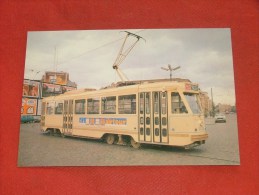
(109,105)
(80,106)
(178,106)
(193,102)
(127,104)
(59,108)
(156,103)
(50,108)
(147,103)
(163,103)
(93,106)
(141,103)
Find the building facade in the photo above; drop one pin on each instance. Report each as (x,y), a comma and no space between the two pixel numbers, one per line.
(206,103)
(224,108)
(51,84)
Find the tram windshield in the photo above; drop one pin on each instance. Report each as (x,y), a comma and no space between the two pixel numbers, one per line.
(192,99)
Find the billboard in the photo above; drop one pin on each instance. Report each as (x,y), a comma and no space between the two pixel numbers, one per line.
(66,89)
(51,89)
(31,88)
(59,78)
(29,106)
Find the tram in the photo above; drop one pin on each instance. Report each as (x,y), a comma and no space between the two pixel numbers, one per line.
(160,113)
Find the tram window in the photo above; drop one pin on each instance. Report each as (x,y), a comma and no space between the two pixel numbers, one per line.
(156,105)
(192,99)
(141,120)
(59,108)
(79,106)
(148,131)
(127,104)
(49,108)
(65,107)
(163,103)
(43,108)
(177,104)
(141,131)
(93,106)
(156,121)
(147,102)
(156,132)
(148,121)
(164,121)
(164,132)
(109,105)
(141,103)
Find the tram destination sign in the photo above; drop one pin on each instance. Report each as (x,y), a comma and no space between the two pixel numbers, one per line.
(191,87)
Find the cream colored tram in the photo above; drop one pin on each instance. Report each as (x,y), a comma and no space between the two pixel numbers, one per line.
(163,113)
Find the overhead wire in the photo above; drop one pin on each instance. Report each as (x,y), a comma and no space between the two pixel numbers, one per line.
(82,54)
(95,49)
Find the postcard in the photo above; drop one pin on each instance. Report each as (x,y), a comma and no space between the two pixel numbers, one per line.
(129,97)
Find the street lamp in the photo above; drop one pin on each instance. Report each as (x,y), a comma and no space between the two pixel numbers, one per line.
(170,69)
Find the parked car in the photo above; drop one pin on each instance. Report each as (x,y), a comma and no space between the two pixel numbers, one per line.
(27,119)
(220,118)
(30,119)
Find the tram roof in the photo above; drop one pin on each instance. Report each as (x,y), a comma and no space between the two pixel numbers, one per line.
(128,85)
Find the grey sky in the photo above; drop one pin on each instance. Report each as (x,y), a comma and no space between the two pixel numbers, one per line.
(205,57)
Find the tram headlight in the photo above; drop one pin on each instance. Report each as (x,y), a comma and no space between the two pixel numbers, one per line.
(200,125)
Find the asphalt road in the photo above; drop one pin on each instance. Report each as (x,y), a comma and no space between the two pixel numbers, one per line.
(37,149)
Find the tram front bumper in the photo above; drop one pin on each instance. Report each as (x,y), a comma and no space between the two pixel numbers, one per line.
(200,137)
(197,140)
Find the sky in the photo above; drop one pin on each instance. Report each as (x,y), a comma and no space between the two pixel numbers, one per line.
(204,56)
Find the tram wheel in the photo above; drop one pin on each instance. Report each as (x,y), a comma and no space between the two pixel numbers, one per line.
(134,144)
(110,139)
(51,132)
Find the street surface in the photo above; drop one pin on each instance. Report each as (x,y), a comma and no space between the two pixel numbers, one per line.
(38,149)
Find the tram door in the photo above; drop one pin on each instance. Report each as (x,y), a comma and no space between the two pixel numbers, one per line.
(145,125)
(160,118)
(68,117)
(153,117)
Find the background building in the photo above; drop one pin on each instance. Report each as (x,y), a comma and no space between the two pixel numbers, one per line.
(225,108)
(52,83)
(206,103)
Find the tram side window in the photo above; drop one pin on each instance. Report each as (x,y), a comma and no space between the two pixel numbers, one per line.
(141,103)
(178,106)
(79,106)
(59,108)
(109,105)
(127,104)
(147,103)
(49,108)
(156,102)
(93,106)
